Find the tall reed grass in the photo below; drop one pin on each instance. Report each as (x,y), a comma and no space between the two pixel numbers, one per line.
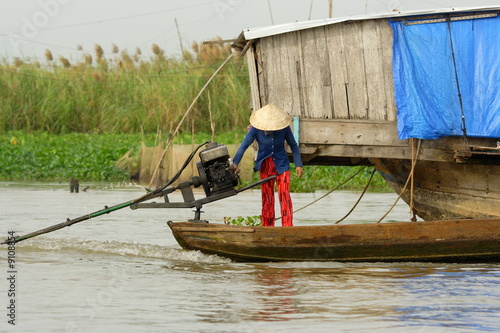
(120,92)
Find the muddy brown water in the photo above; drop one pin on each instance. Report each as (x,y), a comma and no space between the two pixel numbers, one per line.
(125,272)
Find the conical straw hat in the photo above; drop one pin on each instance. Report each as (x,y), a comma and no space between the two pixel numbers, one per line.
(270,118)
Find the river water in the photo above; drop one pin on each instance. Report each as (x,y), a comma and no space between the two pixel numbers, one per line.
(124,272)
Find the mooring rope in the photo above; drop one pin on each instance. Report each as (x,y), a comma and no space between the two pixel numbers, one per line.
(412,180)
(327,194)
(359,199)
(410,177)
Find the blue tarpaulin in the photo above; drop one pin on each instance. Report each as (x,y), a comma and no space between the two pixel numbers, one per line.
(426,75)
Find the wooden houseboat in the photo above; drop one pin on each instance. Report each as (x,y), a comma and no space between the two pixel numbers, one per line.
(417,95)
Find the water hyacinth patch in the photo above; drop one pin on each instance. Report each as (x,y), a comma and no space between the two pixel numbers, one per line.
(41,156)
(92,157)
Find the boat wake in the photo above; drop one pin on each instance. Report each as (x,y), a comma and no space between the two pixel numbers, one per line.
(128,249)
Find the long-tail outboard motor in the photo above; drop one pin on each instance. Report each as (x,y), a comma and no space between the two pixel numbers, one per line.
(216,173)
(217,176)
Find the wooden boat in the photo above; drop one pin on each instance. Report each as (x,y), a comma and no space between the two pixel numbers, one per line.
(475,240)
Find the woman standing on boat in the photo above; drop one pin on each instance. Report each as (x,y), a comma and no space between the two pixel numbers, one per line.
(270,127)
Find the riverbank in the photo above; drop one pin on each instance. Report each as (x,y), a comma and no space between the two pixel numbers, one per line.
(92,157)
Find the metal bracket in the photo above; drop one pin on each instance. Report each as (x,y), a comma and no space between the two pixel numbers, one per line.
(191,202)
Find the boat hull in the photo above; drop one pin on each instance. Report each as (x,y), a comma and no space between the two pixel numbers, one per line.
(439,241)
(446,191)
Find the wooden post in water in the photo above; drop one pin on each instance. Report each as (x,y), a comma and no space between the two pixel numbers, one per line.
(74,185)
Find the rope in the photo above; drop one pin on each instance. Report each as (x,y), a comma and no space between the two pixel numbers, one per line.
(171,137)
(359,199)
(403,190)
(412,178)
(327,194)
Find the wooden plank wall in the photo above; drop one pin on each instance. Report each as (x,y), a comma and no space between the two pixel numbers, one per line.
(338,71)
(254,82)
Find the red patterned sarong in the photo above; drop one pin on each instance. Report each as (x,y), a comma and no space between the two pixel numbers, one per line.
(268,169)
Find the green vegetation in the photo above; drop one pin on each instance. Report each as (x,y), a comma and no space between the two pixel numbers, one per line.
(320,177)
(254,221)
(61,120)
(43,156)
(60,157)
(91,157)
(124,93)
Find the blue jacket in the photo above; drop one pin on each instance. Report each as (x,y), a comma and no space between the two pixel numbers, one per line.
(271,143)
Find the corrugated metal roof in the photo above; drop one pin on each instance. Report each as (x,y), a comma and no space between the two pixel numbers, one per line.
(254,33)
